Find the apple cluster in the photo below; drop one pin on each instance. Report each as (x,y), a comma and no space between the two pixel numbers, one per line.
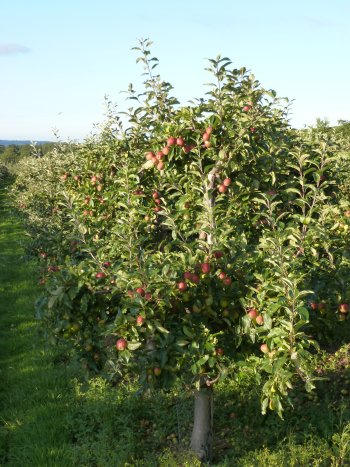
(255,316)
(157,201)
(158,158)
(205,269)
(139,292)
(343,308)
(222,188)
(206,137)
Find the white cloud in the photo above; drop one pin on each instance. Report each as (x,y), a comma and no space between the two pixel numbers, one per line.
(11,49)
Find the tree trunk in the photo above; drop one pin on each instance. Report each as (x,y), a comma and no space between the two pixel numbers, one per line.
(202,433)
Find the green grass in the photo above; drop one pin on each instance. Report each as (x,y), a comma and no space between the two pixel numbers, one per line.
(51,416)
(33,392)
(113,427)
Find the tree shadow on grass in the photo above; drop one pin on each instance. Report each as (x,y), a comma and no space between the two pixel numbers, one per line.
(107,425)
(317,418)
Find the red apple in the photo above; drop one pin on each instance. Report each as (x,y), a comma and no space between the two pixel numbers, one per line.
(207,144)
(205,268)
(158,201)
(180,142)
(100,275)
(222,188)
(219,351)
(264,348)
(227,182)
(209,129)
(148,296)
(252,313)
(195,278)
(186,149)
(165,150)
(259,320)
(160,166)
(157,371)
(140,291)
(206,137)
(171,141)
(140,320)
(246,108)
(107,264)
(187,275)
(222,275)
(313,305)
(343,308)
(93,179)
(149,156)
(218,254)
(121,344)
(227,281)
(182,286)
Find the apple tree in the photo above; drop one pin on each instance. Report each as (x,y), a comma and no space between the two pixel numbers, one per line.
(192,240)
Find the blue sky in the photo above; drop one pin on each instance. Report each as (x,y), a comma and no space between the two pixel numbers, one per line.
(58,59)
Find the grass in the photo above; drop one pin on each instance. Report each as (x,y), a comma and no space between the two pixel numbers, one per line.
(115,428)
(51,416)
(33,392)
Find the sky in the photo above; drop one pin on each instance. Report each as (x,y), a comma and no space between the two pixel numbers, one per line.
(58,59)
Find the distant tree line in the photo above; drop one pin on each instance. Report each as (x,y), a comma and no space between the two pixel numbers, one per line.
(12,153)
(342,128)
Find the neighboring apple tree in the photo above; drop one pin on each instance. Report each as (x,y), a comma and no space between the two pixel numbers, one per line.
(194,240)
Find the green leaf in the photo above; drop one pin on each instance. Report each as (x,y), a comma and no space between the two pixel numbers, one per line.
(182,342)
(304,313)
(82,229)
(309,386)
(267,321)
(52,302)
(203,360)
(187,332)
(264,405)
(134,345)
(160,328)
